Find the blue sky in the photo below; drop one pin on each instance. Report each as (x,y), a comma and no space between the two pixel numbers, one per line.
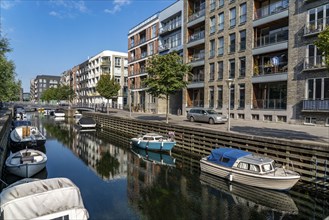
(51,36)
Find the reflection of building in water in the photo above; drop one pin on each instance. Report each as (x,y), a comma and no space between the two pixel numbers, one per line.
(107,160)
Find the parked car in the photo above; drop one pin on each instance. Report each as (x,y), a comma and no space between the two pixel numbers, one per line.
(205,115)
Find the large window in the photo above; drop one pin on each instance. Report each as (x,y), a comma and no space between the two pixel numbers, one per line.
(243,13)
(318,89)
(117,61)
(243,40)
(242,96)
(317,19)
(153,33)
(212,49)
(242,71)
(314,57)
(232,17)
(211,97)
(220,97)
(211,71)
(232,43)
(220,66)
(220,46)
(212,25)
(221,21)
(232,69)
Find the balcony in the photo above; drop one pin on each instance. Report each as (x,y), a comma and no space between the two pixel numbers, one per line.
(196,39)
(272,12)
(274,38)
(105,63)
(197,17)
(278,104)
(197,59)
(170,27)
(316,105)
(316,26)
(314,63)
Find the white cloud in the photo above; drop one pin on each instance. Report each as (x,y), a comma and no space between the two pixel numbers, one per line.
(67,8)
(118,4)
(8,4)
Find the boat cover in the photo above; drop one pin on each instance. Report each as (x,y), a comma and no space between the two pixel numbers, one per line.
(226,156)
(87,121)
(42,199)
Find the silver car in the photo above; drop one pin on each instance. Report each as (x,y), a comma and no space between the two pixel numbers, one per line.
(205,115)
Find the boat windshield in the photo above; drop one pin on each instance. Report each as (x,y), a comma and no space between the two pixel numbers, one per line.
(267,167)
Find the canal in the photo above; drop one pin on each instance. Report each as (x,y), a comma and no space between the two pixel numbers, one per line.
(117,182)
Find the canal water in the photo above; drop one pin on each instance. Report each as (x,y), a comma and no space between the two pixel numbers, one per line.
(117,182)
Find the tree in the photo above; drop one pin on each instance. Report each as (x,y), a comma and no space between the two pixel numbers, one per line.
(65,92)
(323,44)
(166,76)
(108,88)
(10,87)
(49,94)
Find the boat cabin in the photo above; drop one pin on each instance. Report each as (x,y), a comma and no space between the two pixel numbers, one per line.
(152,137)
(241,160)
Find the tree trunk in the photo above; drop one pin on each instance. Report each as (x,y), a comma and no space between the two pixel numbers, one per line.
(167,108)
(107,106)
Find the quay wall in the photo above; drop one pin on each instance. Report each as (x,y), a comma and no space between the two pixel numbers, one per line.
(5,126)
(309,159)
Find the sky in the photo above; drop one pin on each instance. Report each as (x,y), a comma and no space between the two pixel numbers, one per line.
(48,37)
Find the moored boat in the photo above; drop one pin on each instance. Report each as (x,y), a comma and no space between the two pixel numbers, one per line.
(59,113)
(26,163)
(244,167)
(86,122)
(26,136)
(153,141)
(54,198)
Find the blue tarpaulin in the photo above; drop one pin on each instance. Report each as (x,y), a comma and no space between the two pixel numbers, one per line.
(226,156)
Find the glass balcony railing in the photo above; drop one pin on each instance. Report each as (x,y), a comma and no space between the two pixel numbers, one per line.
(196,36)
(316,105)
(316,26)
(171,26)
(314,62)
(197,56)
(264,69)
(273,8)
(197,14)
(197,78)
(270,39)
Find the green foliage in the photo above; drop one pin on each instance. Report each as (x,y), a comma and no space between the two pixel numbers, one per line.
(61,93)
(166,74)
(107,87)
(323,44)
(10,87)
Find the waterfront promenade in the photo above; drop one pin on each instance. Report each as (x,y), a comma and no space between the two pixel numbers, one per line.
(300,133)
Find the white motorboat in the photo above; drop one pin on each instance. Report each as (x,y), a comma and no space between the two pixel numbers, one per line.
(26,136)
(86,122)
(26,163)
(244,167)
(59,113)
(154,141)
(54,198)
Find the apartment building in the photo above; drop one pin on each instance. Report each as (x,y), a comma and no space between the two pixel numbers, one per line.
(86,76)
(41,84)
(261,56)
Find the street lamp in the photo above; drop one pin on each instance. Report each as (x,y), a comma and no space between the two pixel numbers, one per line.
(229,83)
(130,101)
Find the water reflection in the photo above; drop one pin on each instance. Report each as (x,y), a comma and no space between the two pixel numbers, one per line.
(120,184)
(161,158)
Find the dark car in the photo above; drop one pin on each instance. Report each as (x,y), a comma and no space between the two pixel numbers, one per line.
(205,115)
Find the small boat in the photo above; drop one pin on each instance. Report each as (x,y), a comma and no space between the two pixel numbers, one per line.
(26,136)
(59,113)
(247,196)
(154,157)
(77,115)
(86,122)
(26,163)
(154,141)
(244,167)
(54,198)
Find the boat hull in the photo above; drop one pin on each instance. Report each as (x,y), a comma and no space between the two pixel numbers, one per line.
(153,145)
(18,142)
(17,165)
(275,180)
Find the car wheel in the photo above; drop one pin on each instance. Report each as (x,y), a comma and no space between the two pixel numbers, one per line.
(211,121)
(191,119)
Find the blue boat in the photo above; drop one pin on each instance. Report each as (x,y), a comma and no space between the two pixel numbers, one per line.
(154,141)
(247,168)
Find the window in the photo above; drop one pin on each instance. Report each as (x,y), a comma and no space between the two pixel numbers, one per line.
(243,165)
(317,19)
(153,33)
(221,21)
(232,43)
(314,57)
(132,42)
(310,120)
(242,71)
(151,49)
(220,3)
(232,17)
(232,69)
(220,65)
(254,168)
(232,97)
(220,97)
(212,25)
(243,13)
(211,97)
(212,5)
(220,46)
(318,89)
(211,72)
(117,61)
(242,96)
(266,167)
(212,49)
(242,40)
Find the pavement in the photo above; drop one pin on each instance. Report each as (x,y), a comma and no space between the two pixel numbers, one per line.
(292,132)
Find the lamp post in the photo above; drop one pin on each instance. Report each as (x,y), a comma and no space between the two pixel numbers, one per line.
(229,83)
(129,93)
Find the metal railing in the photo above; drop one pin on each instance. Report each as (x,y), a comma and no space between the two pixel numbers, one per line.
(264,69)
(197,14)
(314,62)
(171,26)
(316,26)
(196,36)
(197,56)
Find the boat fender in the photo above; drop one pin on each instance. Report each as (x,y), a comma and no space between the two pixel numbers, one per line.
(138,141)
(230,177)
